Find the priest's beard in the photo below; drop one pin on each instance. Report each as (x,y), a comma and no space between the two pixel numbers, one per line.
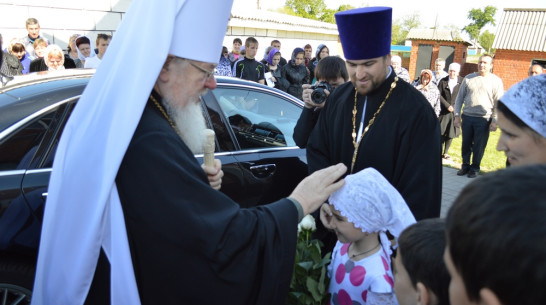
(189,121)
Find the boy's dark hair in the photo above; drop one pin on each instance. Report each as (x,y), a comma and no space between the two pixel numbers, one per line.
(275,41)
(330,68)
(496,235)
(422,248)
(238,40)
(250,40)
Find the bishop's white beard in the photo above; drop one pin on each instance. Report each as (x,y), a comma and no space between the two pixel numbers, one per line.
(189,121)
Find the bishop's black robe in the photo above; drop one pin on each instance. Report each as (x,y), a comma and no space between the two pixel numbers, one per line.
(403,144)
(191,244)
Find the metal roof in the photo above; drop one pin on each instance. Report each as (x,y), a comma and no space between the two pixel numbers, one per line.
(436,35)
(522,29)
(244,16)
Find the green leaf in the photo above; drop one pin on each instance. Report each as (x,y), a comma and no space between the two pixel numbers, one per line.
(312,286)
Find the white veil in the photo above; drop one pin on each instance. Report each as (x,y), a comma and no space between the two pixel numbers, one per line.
(83,212)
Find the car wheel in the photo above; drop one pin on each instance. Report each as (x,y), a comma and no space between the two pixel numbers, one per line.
(16,280)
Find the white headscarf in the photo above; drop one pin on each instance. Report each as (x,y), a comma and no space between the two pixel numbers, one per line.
(91,53)
(372,204)
(527,100)
(83,212)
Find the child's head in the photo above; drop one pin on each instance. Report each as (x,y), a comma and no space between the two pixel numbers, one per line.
(251,47)
(237,43)
(420,275)
(373,205)
(496,239)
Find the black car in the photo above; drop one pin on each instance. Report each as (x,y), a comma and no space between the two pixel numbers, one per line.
(253,125)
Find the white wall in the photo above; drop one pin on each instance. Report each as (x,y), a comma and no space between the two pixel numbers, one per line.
(61,18)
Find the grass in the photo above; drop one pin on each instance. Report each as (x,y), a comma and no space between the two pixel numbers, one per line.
(492,159)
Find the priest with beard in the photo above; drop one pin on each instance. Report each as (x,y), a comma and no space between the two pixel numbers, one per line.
(131,217)
(378,120)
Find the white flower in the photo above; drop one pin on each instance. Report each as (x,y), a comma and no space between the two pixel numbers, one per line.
(307,223)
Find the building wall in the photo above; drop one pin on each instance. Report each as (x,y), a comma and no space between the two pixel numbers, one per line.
(60,18)
(512,66)
(459,56)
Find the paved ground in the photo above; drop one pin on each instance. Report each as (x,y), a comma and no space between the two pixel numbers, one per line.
(451,186)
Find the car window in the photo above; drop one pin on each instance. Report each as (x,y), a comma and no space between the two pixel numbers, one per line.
(17,152)
(259,120)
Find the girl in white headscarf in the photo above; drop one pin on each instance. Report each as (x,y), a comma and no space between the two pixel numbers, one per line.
(361,213)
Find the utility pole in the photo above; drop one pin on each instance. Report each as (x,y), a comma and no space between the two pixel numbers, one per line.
(258,5)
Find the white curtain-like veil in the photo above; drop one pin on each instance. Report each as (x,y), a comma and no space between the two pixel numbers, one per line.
(83,212)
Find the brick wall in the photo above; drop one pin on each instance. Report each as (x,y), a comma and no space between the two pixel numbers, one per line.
(513,66)
(458,57)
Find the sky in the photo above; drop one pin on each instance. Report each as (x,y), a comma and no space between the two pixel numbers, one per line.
(447,13)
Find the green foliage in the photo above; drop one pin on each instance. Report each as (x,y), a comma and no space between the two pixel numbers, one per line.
(486,40)
(480,19)
(313,9)
(309,283)
(401,28)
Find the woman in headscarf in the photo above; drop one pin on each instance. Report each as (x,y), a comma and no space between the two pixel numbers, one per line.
(295,74)
(322,51)
(72,50)
(54,58)
(522,120)
(272,65)
(224,65)
(83,47)
(429,90)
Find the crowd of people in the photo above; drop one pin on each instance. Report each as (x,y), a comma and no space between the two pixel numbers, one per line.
(374,150)
(34,53)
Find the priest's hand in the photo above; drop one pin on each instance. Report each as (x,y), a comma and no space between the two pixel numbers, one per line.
(214,174)
(312,191)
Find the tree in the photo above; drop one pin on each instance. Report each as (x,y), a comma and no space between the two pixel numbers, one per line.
(401,28)
(480,19)
(486,40)
(313,9)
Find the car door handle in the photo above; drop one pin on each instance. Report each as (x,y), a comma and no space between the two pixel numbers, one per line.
(264,170)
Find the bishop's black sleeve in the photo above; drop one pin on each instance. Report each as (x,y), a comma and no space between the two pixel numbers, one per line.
(196,238)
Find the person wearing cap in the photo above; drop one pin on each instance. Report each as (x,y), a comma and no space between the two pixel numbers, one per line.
(360,214)
(449,87)
(378,120)
(131,217)
(401,72)
(522,121)
(479,93)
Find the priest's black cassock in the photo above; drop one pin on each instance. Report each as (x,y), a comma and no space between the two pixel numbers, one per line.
(403,143)
(191,244)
